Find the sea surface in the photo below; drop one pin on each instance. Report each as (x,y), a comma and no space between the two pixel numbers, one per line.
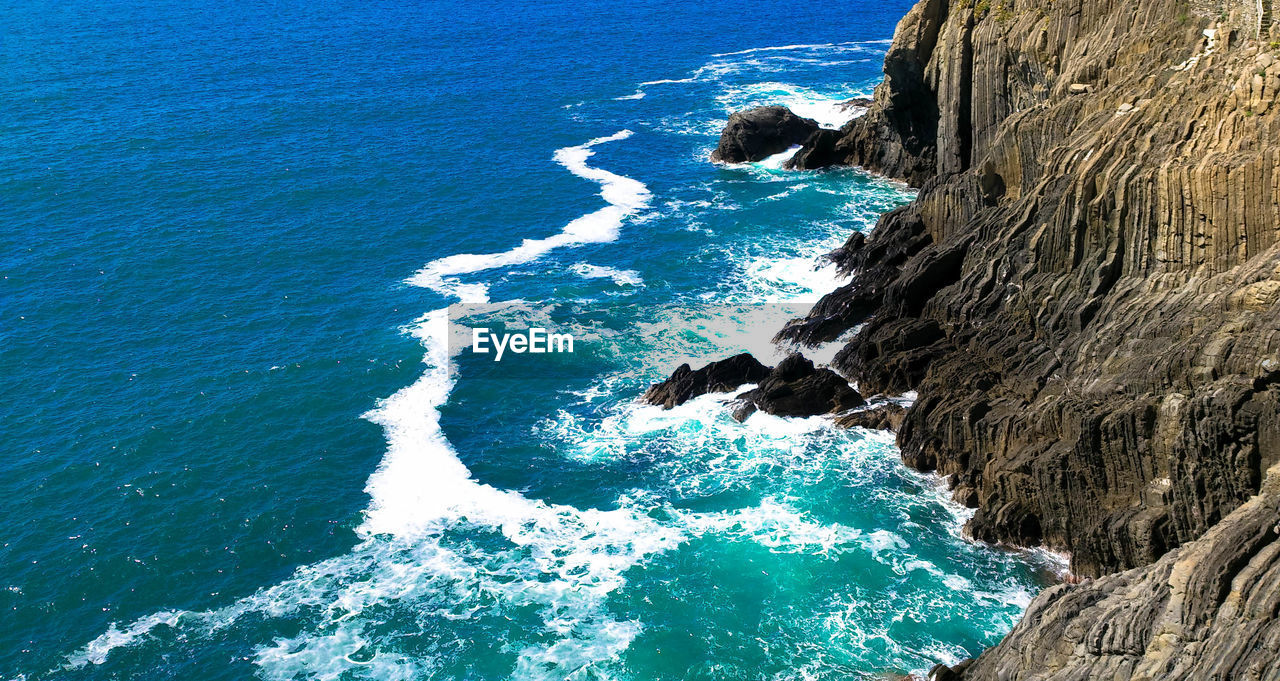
(238,442)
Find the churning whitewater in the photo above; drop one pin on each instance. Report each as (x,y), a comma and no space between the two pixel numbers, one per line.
(558,529)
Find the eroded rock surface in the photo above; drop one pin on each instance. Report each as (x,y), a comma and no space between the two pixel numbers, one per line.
(1207,610)
(886,416)
(1085,295)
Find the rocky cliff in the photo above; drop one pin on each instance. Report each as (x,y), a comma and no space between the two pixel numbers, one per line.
(1086,295)
(1206,610)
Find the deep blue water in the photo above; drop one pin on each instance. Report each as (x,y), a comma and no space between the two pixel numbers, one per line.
(226,239)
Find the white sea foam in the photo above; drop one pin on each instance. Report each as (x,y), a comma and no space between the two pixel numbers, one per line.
(421,487)
(666,81)
(776,161)
(800,279)
(95,652)
(562,561)
(624,195)
(619,277)
(828,109)
(845,46)
(777,527)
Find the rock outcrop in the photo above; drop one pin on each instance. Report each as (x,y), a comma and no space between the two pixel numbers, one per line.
(797,388)
(723,376)
(1086,296)
(793,388)
(1207,610)
(755,134)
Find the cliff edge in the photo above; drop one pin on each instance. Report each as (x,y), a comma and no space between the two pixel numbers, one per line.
(1086,295)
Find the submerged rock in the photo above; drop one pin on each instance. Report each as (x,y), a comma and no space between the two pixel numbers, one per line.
(716,377)
(796,388)
(758,133)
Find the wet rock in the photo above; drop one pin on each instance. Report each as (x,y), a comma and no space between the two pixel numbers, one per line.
(1111,330)
(942,672)
(725,375)
(758,133)
(887,416)
(796,388)
(817,151)
(857,103)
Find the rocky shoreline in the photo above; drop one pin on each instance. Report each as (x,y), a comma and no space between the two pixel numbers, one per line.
(1086,296)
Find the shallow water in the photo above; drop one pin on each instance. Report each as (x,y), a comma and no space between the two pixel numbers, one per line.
(237,231)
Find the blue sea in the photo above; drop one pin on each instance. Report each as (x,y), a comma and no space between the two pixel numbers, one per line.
(238,442)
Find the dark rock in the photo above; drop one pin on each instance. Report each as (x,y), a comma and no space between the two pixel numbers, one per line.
(886,416)
(1094,381)
(817,151)
(761,132)
(1207,610)
(722,376)
(965,495)
(878,261)
(857,103)
(796,388)
(942,672)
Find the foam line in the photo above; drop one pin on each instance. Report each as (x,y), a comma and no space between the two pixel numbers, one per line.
(666,81)
(419,489)
(624,195)
(421,486)
(813,46)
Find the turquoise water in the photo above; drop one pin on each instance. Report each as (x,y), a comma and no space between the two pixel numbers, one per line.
(238,445)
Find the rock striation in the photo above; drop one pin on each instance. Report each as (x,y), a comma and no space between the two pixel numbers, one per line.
(1207,610)
(1086,292)
(1086,296)
(758,133)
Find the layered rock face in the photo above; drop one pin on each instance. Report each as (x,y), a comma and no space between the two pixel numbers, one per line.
(1086,295)
(1206,610)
